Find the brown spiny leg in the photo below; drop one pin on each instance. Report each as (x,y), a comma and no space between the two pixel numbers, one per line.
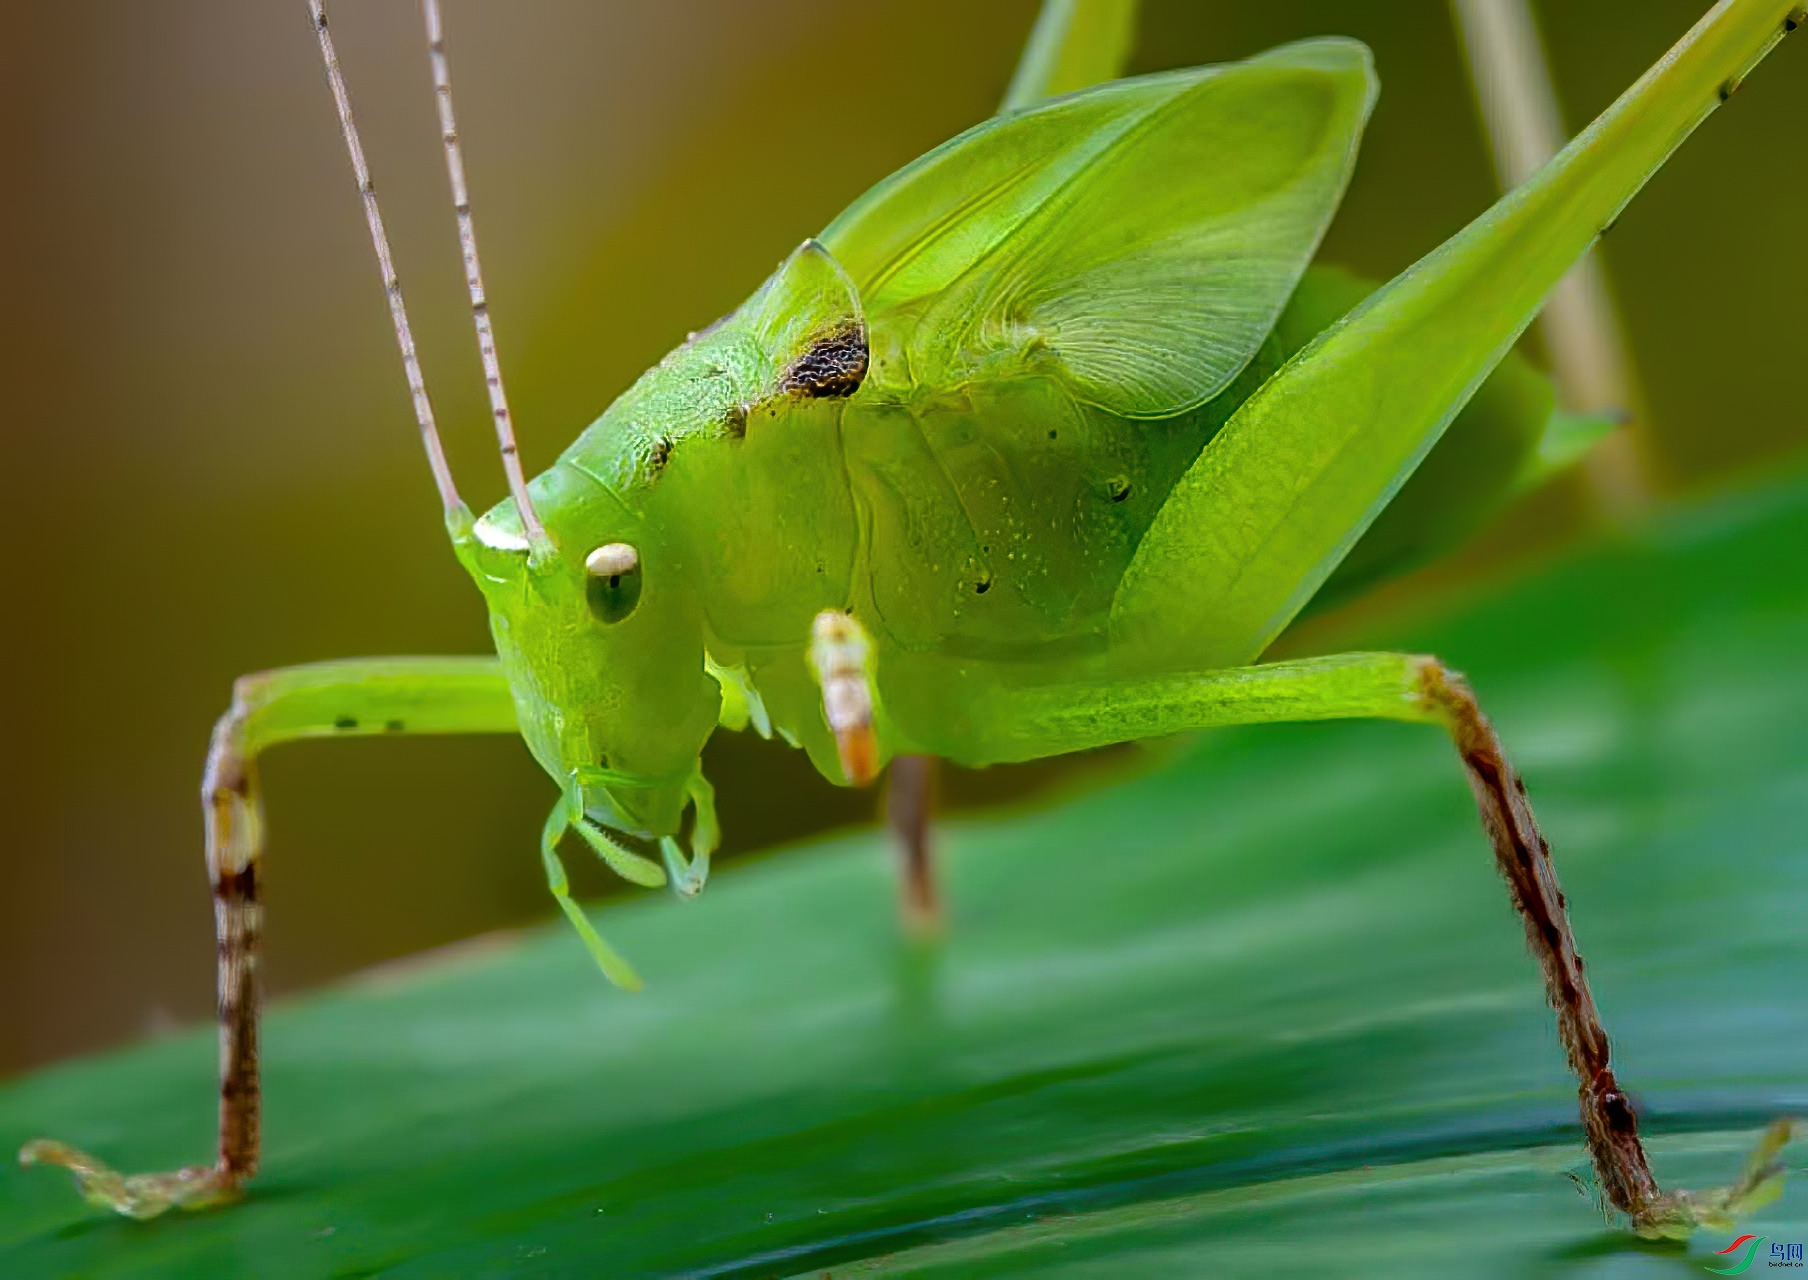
(355,697)
(234,822)
(1524,859)
(235,842)
(910,813)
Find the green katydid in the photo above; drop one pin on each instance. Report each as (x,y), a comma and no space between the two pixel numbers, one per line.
(1035,448)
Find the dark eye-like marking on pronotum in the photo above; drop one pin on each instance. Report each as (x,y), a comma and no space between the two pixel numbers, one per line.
(834,365)
(614,586)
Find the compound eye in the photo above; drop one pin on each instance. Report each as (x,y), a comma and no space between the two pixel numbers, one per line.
(614,587)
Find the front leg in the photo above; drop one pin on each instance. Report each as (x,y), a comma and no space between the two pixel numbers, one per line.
(1049,721)
(355,698)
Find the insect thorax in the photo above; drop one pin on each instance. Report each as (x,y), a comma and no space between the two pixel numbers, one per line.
(985,528)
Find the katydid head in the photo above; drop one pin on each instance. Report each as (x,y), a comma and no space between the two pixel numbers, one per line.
(600,626)
(597,628)
(602,642)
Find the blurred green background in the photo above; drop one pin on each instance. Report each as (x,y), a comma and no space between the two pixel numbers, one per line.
(211,466)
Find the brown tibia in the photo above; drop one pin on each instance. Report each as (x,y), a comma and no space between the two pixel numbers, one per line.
(1524,860)
(910,813)
(234,859)
(234,823)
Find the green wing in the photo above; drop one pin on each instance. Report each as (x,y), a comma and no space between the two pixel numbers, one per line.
(1136,240)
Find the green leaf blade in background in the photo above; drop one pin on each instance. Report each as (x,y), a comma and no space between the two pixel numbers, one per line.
(1261,1010)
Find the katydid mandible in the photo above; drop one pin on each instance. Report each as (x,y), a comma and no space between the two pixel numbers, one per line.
(1035,448)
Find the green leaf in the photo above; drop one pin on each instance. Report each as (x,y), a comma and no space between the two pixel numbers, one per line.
(1566,440)
(1260,1011)
(1137,239)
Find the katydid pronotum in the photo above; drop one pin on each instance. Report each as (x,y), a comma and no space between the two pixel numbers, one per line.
(1035,448)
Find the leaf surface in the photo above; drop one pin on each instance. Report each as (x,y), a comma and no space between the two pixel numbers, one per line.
(1262,1009)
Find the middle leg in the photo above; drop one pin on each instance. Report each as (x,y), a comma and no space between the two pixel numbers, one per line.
(910,792)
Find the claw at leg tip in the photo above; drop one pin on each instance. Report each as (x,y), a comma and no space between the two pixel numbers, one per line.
(141,1195)
(48,1151)
(1677,1215)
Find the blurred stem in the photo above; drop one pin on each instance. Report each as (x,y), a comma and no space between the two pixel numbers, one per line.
(1589,360)
(1075,43)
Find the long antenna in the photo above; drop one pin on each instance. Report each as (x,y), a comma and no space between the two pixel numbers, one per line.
(392,287)
(480,307)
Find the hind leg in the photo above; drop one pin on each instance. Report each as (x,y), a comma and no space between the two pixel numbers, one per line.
(1029,723)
